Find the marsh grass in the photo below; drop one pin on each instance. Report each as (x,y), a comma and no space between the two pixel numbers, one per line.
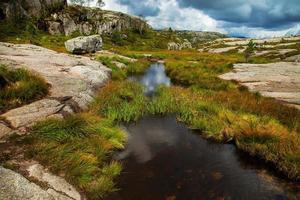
(21,87)
(220,110)
(132,68)
(80,147)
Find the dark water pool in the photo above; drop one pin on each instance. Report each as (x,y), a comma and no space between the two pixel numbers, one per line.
(165,160)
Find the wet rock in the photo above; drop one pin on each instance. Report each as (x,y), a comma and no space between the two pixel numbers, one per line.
(81,45)
(38,172)
(278,80)
(15,186)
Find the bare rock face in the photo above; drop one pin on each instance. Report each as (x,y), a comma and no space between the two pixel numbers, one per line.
(73,79)
(91,20)
(295,58)
(29,114)
(29,8)
(4,130)
(179,46)
(56,183)
(81,45)
(278,80)
(15,186)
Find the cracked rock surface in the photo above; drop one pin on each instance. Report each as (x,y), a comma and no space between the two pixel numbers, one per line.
(73,80)
(15,186)
(278,80)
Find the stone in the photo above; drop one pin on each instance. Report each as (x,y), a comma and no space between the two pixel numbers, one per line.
(278,80)
(29,8)
(110,54)
(295,58)
(57,183)
(75,78)
(186,44)
(179,46)
(55,28)
(32,113)
(84,44)
(95,20)
(244,42)
(4,130)
(119,64)
(15,186)
(222,50)
(174,46)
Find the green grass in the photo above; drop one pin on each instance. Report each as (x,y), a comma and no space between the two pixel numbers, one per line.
(80,147)
(259,135)
(21,87)
(132,68)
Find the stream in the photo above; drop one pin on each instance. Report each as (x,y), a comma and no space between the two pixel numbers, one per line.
(163,159)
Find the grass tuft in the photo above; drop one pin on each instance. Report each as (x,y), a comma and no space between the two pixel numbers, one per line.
(19,87)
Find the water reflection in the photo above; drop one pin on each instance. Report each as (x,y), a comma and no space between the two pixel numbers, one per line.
(163,158)
(153,77)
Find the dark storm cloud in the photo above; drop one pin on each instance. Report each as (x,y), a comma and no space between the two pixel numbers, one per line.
(140,7)
(251,13)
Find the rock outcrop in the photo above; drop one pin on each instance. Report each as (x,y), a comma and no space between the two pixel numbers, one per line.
(73,80)
(15,186)
(295,58)
(82,45)
(89,21)
(279,80)
(179,46)
(29,8)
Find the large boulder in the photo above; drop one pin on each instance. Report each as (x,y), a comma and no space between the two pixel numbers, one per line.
(84,44)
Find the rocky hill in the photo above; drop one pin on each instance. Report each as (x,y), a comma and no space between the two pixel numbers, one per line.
(28,8)
(88,21)
(56,17)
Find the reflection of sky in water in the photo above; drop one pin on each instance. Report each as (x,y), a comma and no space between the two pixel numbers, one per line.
(156,135)
(153,77)
(160,151)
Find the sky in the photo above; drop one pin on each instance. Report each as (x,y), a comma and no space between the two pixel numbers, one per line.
(248,18)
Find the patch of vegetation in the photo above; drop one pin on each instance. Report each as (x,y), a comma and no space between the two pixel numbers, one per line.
(80,147)
(221,110)
(18,87)
(130,67)
(259,135)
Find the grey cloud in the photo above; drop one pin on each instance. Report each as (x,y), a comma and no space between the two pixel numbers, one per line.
(252,13)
